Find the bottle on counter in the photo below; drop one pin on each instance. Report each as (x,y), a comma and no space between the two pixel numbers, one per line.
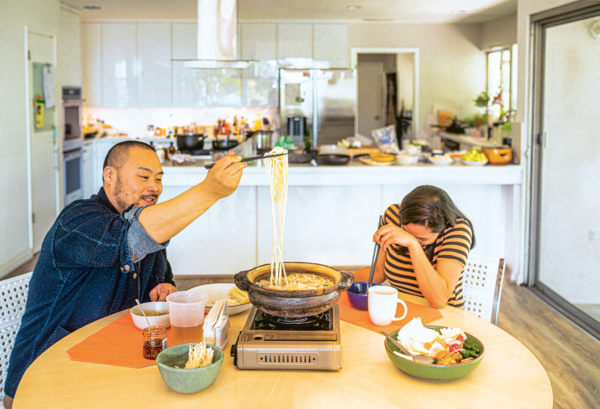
(171,150)
(257,123)
(307,141)
(152,145)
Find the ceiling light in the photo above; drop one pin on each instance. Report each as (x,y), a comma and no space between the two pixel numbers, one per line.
(212,64)
(595,29)
(92,7)
(353,7)
(378,19)
(458,11)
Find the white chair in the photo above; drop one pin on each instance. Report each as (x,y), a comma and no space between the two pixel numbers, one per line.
(482,286)
(13,297)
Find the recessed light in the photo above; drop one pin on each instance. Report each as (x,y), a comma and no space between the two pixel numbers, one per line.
(378,19)
(92,7)
(353,7)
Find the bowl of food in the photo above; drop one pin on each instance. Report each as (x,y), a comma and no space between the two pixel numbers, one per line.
(474,158)
(307,288)
(358,295)
(237,300)
(407,160)
(455,353)
(441,160)
(457,156)
(157,313)
(190,368)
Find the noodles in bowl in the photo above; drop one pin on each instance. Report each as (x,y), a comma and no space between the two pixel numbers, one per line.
(298,282)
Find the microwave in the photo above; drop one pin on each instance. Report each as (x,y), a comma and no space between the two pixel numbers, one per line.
(72,129)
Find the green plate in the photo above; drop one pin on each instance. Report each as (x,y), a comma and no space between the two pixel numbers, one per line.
(187,380)
(433,372)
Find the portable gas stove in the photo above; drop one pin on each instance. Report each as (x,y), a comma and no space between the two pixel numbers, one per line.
(270,342)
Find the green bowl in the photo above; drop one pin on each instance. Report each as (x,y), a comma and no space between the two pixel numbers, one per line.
(187,380)
(433,372)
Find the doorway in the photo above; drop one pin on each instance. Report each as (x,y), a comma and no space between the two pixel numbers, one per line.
(566,222)
(42,135)
(387,90)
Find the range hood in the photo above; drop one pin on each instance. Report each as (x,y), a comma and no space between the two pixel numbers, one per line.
(217,36)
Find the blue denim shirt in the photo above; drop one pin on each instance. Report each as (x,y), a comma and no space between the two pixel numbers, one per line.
(94,262)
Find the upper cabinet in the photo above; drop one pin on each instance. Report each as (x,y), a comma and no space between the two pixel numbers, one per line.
(185,41)
(91,62)
(132,64)
(120,70)
(258,41)
(154,62)
(69,48)
(294,43)
(330,46)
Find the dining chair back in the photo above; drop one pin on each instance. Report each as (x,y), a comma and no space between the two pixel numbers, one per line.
(482,286)
(13,297)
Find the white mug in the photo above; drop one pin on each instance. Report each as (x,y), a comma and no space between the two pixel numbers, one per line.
(382,305)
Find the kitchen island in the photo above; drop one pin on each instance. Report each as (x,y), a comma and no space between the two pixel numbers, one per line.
(332,213)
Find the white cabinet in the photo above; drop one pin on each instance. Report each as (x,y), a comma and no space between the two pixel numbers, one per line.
(120,70)
(88,170)
(330,48)
(294,43)
(154,61)
(185,40)
(69,48)
(258,41)
(91,61)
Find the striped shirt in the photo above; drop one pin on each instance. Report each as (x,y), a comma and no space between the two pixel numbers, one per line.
(454,243)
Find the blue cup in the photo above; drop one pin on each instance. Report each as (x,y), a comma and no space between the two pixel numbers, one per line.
(358,295)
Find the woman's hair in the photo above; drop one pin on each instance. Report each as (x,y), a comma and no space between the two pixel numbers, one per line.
(431,207)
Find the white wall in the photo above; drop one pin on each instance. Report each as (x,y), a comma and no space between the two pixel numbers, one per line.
(405,66)
(39,15)
(69,47)
(500,32)
(452,66)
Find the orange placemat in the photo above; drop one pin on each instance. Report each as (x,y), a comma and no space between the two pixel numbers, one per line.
(117,344)
(361,318)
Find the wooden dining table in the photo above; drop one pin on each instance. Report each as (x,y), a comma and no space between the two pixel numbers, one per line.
(509,376)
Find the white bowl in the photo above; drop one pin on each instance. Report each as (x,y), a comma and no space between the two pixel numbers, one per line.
(217,292)
(472,163)
(441,162)
(413,150)
(407,159)
(161,320)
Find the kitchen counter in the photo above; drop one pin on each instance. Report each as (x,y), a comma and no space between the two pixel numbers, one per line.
(332,213)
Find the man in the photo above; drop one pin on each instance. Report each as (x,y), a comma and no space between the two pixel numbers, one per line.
(105,252)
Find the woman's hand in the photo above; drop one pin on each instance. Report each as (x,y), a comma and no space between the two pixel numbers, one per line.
(391,234)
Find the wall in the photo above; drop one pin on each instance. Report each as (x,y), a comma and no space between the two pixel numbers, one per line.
(500,32)
(39,15)
(452,66)
(406,68)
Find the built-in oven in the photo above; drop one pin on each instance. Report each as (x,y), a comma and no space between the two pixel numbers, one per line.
(73,176)
(72,145)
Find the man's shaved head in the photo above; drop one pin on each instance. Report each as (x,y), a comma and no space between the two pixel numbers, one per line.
(117,155)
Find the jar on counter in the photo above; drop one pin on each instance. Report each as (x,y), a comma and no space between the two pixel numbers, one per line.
(154,341)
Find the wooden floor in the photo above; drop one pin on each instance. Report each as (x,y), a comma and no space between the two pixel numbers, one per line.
(569,355)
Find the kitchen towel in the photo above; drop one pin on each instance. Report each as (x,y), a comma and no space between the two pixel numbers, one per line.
(361,318)
(117,344)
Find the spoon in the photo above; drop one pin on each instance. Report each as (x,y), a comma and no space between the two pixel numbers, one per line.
(143,313)
(421,359)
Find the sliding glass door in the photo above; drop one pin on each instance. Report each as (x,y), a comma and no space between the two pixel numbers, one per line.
(567,210)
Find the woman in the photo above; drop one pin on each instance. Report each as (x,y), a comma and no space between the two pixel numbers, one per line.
(425,242)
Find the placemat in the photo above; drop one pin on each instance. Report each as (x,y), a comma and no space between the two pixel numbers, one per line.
(117,344)
(361,318)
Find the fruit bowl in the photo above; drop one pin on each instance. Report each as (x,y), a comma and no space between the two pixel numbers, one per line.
(474,163)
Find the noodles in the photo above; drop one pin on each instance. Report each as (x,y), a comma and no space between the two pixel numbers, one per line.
(298,282)
(277,172)
(199,356)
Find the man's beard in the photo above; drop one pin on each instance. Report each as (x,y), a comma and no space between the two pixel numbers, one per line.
(122,203)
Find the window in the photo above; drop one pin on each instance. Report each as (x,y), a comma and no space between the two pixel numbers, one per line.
(502,78)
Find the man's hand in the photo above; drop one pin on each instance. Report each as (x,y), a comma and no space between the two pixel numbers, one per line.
(391,234)
(223,179)
(160,292)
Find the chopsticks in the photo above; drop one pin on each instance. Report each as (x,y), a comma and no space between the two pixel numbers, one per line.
(250,159)
(375,256)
